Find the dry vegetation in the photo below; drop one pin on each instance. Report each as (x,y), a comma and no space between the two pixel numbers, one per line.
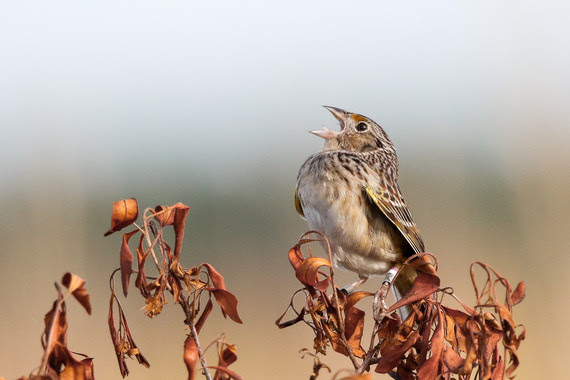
(436,340)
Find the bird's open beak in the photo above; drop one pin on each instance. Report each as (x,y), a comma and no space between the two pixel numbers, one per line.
(326,133)
(339,114)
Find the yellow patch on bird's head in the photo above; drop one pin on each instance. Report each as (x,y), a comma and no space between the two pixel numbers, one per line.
(356,117)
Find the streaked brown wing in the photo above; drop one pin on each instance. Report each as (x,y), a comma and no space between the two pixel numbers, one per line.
(298,205)
(393,206)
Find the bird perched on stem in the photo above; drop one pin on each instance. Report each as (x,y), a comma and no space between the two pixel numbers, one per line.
(349,192)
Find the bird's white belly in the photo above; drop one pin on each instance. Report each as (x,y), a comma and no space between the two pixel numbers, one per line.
(355,245)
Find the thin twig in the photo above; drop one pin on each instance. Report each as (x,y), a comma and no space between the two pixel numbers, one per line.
(220,339)
(372,351)
(146,221)
(50,334)
(194,335)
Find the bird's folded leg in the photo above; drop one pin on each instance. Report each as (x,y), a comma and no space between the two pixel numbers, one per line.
(379,307)
(350,288)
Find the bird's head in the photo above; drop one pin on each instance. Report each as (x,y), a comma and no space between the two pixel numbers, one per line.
(357,134)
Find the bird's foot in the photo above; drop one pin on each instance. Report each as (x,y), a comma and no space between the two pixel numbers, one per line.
(379,307)
(350,287)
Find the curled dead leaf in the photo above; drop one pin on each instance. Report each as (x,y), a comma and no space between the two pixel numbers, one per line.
(174,215)
(76,286)
(58,360)
(125,212)
(227,356)
(309,271)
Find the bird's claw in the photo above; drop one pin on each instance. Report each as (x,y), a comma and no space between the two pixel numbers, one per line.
(379,307)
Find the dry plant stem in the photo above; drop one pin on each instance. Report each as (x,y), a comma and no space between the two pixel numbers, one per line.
(379,297)
(190,320)
(147,236)
(371,353)
(219,339)
(194,334)
(49,338)
(340,313)
(379,312)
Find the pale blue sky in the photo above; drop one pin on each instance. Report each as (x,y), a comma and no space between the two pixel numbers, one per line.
(88,86)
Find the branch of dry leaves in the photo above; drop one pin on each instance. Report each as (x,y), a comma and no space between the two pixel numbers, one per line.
(436,341)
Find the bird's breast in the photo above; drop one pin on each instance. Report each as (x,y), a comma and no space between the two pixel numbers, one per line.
(334,204)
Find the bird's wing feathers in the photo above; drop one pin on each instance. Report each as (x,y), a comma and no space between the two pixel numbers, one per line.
(298,206)
(391,203)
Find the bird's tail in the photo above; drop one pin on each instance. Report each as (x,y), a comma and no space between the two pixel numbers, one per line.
(402,285)
(405,280)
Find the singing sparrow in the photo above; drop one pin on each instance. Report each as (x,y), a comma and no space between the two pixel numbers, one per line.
(349,192)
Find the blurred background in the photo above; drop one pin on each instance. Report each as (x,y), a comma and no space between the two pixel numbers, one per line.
(209,104)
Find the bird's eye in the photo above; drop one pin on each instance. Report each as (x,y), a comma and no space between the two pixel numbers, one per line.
(361,127)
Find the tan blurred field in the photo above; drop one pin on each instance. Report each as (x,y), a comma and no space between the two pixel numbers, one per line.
(514,221)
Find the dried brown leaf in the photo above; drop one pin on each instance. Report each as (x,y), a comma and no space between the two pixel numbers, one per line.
(389,327)
(123,343)
(77,369)
(125,212)
(174,215)
(228,355)
(115,339)
(154,304)
(353,298)
(452,360)
(190,356)
(300,316)
(296,256)
(176,287)
(354,328)
(392,356)
(58,360)
(422,263)
(497,373)
(76,286)
(461,329)
(215,276)
(228,302)
(519,293)
(450,335)
(424,285)
(126,260)
(430,369)
(55,333)
(470,358)
(142,255)
(309,270)
(204,316)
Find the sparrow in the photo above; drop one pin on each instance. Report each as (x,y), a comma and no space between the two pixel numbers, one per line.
(349,192)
